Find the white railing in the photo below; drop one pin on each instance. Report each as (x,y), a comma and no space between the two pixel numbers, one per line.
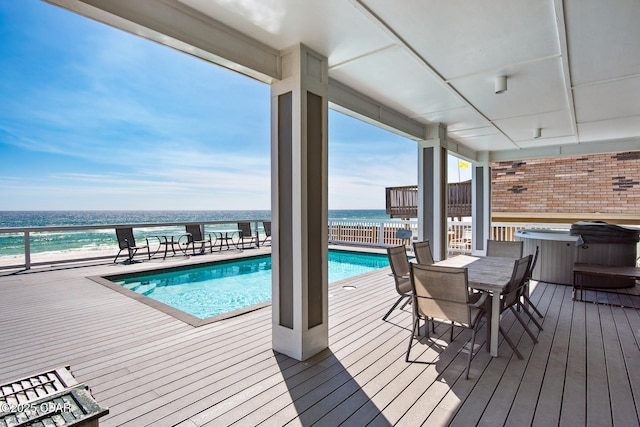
(459,232)
(371,233)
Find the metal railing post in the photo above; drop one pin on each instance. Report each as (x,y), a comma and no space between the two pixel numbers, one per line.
(27,251)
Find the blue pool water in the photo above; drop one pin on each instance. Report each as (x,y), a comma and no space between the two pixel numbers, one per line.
(222,287)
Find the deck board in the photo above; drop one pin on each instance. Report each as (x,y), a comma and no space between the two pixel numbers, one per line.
(152,369)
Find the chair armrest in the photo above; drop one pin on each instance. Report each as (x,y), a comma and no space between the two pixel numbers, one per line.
(400,276)
(480,303)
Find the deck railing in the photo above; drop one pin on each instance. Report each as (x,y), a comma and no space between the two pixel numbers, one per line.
(459,232)
(142,231)
(350,232)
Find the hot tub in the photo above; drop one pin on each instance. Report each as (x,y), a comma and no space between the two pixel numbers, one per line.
(557,253)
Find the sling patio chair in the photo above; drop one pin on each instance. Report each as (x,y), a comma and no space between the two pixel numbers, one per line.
(245,237)
(526,302)
(504,249)
(400,270)
(267,231)
(195,236)
(128,242)
(511,298)
(422,251)
(442,293)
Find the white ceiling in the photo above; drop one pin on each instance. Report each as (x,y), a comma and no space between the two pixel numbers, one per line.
(573,66)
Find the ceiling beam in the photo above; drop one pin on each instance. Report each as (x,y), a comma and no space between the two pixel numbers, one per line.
(173,24)
(555,151)
(353,103)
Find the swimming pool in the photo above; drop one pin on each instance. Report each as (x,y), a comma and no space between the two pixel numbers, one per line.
(222,287)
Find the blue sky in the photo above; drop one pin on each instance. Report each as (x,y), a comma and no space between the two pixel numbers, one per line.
(95,118)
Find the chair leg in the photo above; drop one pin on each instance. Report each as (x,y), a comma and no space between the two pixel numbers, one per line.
(473,343)
(413,332)
(132,253)
(511,344)
(394,306)
(530,304)
(451,337)
(533,319)
(524,325)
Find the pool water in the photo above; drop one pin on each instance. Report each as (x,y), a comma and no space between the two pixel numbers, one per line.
(222,287)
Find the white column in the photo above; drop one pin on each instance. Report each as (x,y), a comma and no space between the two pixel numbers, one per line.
(299,205)
(432,190)
(481,203)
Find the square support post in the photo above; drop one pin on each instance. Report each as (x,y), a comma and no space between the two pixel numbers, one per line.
(432,190)
(299,107)
(481,204)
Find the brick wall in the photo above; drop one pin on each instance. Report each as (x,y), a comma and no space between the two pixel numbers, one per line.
(599,183)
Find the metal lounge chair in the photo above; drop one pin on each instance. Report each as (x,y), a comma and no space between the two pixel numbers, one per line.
(400,270)
(504,249)
(422,251)
(245,237)
(128,242)
(443,293)
(195,236)
(267,231)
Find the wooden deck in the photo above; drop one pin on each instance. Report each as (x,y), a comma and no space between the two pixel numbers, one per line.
(149,368)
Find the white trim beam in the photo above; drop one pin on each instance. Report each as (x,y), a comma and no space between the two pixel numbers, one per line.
(346,100)
(174,24)
(554,151)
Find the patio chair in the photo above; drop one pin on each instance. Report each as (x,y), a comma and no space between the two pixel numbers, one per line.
(128,242)
(244,235)
(525,295)
(504,249)
(422,251)
(443,293)
(400,270)
(195,236)
(267,231)
(511,298)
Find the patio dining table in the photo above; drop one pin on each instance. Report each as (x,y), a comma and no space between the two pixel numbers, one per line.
(489,274)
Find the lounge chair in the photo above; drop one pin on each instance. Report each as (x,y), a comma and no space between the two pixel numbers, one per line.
(504,249)
(128,242)
(245,237)
(442,293)
(400,270)
(422,251)
(267,231)
(511,298)
(196,237)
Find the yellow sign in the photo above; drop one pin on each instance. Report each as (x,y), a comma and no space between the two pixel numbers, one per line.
(463,165)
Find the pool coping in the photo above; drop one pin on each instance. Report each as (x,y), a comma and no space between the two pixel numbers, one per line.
(106,280)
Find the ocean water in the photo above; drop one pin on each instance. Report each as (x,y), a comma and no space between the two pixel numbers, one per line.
(12,245)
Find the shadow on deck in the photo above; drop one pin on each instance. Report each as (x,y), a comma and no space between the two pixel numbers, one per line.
(149,368)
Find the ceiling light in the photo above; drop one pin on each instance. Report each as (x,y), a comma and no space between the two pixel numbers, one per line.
(501,84)
(537,133)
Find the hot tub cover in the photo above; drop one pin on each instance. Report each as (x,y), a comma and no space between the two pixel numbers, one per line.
(603,232)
